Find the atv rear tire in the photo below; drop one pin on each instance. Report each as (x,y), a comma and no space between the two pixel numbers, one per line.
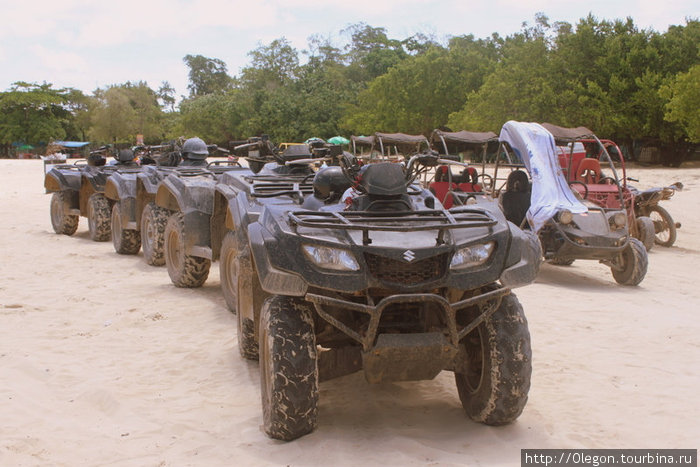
(98,214)
(495,387)
(62,223)
(242,293)
(632,265)
(664,227)
(153,222)
(228,271)
(288,368)
(125,241)
(184,270)
(645,231)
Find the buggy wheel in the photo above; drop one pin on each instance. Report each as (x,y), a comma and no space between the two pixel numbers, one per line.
(561,261)
(98,216)
(153,222)
(62,222)
(645,231)
(664,227)
(288,368)
(631,265)
(496,382)
(184,270)
(126,241)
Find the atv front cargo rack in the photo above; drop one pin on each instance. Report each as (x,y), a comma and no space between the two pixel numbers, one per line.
(394,221)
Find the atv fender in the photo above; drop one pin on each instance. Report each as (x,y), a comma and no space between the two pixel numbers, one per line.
(62,180)
(524,258)
(196,204)
(273,281)
(122,188)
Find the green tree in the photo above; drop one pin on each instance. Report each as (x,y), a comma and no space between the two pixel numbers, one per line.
(37,113)
(371,52)
(166,96)
(206,75)
(123,111)
(519,88)
(683,102)
(216,118)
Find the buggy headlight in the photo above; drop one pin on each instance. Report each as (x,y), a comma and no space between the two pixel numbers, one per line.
(331,258)
(565,216)
(472,255)
(618,220)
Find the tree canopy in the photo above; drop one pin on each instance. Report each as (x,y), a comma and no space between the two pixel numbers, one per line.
(623,82)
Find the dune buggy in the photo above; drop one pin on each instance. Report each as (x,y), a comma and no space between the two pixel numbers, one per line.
(570,226)
(590,170)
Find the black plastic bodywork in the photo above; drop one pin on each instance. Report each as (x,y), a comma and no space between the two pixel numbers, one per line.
(401,314)
(79,181)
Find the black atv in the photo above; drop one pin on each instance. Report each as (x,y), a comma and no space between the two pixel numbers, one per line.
(287,179)
(378,277)
(78,190)
(194,230)
(136,219)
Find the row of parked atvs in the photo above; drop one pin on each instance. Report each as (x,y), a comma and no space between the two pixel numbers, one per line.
(336,262)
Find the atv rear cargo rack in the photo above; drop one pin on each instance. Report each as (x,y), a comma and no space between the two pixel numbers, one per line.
(410,221)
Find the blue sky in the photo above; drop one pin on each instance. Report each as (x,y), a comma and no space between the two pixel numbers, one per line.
(88,44)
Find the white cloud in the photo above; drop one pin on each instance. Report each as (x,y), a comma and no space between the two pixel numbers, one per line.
(57,61)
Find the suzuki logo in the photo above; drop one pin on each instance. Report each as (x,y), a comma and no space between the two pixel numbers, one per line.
(409,256)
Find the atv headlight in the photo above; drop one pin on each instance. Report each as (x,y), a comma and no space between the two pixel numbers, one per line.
(331,258)
(472,255)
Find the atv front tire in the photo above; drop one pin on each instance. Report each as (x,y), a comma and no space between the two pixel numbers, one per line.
(664,227)
(288,368)
(61,222)
(99,214)
(125,241)
(153,222)
(184,270)
(632,264)
(495,386)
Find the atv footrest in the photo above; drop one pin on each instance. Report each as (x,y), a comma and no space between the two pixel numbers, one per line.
(407,357)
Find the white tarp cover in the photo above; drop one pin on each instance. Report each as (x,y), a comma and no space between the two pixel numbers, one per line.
(535,147)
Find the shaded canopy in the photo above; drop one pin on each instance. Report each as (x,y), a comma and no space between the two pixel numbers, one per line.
(447,142)
(563,135)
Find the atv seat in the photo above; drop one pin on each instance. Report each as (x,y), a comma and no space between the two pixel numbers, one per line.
(588,171)
(515,201)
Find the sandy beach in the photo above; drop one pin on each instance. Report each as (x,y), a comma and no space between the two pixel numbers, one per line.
(103,362)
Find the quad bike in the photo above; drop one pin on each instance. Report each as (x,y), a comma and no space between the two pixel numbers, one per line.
(589,168)
(194,230)
(370,272)
(78,190)
(570,226)
(136,220)
(646,203)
